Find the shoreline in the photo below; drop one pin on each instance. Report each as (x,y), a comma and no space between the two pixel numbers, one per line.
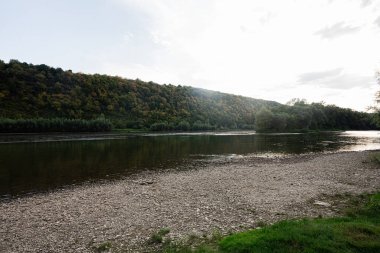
(229,195)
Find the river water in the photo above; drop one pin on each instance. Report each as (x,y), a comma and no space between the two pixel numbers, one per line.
(31,163)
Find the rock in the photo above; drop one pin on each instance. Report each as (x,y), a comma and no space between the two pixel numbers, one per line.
(321,203)
(146,182)
(224,195)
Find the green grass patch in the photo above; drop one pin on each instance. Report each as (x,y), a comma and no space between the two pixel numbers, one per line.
(159,236)
(357,231)
(320,235)
(376,157)
(104,247)
(192,244)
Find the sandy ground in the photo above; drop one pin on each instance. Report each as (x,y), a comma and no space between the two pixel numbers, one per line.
(228,195)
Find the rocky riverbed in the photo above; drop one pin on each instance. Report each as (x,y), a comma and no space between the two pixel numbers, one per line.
(229,194)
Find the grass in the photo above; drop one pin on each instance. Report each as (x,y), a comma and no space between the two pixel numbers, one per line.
(357,231)
(192,244)
(376,157)
(159,236)
(104,247)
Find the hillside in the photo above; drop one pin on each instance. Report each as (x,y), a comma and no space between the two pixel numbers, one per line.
(39,91)
(30,91)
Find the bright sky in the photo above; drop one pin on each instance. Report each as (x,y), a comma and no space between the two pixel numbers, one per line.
(320,50)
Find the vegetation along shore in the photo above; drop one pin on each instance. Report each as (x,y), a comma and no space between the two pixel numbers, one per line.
(35,98)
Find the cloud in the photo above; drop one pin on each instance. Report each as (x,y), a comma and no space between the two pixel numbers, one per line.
(377,21)
(336,79)
(318,76)
(365,3)
(336,30)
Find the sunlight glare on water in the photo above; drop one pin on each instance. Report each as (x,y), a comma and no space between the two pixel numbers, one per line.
(364,140)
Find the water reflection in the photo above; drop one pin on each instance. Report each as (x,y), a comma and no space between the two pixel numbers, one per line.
(33,163)
(361,140)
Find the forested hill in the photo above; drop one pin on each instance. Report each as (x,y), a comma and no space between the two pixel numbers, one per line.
(39,91)
(30,91)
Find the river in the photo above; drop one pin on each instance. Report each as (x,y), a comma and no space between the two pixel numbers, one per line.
(32,163)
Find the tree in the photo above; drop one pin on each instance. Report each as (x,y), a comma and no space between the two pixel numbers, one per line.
(376,107)
(296,101)
(377,97)
(32,91)
(264,120)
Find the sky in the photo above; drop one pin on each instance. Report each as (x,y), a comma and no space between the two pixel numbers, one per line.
(319,50)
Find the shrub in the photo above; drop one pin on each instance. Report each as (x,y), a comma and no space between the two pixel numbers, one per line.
(53,125)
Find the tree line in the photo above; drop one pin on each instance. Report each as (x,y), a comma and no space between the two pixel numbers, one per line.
(53,125)
(301,116)
(35,92)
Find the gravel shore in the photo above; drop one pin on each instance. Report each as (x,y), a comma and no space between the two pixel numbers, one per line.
(229,195)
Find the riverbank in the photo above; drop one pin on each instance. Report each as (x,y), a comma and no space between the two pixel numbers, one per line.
(231,194)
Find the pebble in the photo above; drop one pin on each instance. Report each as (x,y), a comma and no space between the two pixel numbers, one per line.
(217,196)
(321,203)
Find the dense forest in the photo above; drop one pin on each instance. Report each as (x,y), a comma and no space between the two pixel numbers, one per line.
(37,92)
(301,116)
(54,125)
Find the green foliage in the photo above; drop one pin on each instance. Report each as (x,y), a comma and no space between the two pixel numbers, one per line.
(301,116)
(181,247)
(199,126)
(158,237)
(183,125)
(264,120)
(358,231)
(104,247)
(192,244)
(376,157)
(53,125)
(376,107)
(355,233)
(38,91)
(160,126)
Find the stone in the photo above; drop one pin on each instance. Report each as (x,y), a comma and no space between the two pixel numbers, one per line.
(321,203)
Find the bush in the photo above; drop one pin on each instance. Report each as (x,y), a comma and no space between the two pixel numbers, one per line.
(160,126)
(53,125)
(198,126)
(183,125)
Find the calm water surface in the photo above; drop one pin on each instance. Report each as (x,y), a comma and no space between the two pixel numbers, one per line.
(31,163)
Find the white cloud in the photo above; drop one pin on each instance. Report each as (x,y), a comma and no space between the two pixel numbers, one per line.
(320,75)
(336,78)
(259,48)
(365,3)
(377,21)
(336,30)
